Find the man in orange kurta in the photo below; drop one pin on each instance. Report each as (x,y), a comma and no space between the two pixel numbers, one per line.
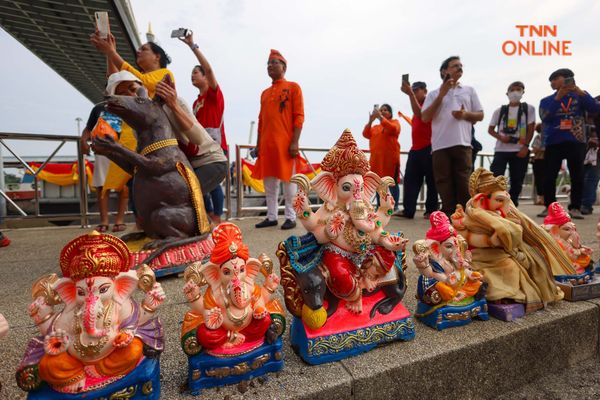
(384,146)
(279,126)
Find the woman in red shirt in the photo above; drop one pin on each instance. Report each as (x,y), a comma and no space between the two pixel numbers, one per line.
(208,109)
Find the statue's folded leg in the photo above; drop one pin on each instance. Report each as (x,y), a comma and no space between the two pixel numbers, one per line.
(61,369)
(122,360)
(211,338)
(341,278)
(445,290)
(470,288)
(257,329)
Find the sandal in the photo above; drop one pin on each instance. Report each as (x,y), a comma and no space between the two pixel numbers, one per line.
(102,228)
(119,227)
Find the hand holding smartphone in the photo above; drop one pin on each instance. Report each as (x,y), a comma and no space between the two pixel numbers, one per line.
(405,78)
(179,33)
(102,24)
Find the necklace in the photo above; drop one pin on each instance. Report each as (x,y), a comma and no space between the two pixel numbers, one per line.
(237,321)
(358,239)
(158,145)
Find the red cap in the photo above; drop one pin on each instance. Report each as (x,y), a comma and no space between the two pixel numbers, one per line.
(556,215)
(440,227)
(276,55)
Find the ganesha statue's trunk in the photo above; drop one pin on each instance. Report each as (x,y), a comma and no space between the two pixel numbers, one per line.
(94,314)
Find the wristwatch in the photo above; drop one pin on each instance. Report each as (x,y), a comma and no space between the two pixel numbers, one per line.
(194,46)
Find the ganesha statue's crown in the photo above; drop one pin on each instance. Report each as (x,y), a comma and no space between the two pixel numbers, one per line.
(441,229)
(228,244)
(556,215)
(94,254)
(483,181)
(345,157)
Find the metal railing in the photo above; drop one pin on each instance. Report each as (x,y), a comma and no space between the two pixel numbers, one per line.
(483,159)
(81,183)
(84,212)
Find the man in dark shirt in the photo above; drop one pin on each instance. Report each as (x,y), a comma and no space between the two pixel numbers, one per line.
(563,120)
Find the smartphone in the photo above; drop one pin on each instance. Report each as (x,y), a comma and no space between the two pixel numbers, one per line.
(179,33)
(447,77)
(102,25)
(375,106)
(405,78)
(570,81)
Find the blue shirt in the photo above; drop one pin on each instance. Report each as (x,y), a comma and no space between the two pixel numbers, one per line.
(552,111)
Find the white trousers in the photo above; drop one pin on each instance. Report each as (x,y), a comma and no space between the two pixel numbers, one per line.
(272,194)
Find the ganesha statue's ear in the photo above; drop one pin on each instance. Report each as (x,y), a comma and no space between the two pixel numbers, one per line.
(325,185)
(252,268)
(212,274)
(372,181)
(434,246)
(478,200)
(125,285)
(65,287)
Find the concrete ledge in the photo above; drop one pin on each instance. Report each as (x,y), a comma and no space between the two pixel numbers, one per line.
(480,360)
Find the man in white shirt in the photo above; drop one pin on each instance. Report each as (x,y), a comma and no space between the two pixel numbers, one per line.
(452,109)
(512,125)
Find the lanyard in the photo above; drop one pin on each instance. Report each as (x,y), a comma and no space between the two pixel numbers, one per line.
(566,109)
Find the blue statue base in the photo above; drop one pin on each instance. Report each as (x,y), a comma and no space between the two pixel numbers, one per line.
(351,335)
(452,315)
(207,371)
(143,383)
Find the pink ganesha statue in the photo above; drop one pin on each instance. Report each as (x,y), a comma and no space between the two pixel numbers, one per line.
(235,317)
(347,258)
(101,334)
(450,293)
(558,223)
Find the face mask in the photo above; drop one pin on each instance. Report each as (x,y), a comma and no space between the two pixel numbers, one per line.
(515,96)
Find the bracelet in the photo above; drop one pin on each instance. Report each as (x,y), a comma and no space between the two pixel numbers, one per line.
(148,309)
(195,298)
(194,47)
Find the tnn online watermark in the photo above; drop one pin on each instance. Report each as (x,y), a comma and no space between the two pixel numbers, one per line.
(537,40)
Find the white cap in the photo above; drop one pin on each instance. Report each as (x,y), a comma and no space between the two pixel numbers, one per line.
(118,77)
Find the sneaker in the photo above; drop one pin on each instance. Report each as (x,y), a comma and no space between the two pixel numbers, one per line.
(586,210)
(543,214)
(401,214)
(265,223)
(575,214)
(288,224)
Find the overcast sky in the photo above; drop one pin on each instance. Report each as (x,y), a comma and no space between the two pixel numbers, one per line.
(345,57)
